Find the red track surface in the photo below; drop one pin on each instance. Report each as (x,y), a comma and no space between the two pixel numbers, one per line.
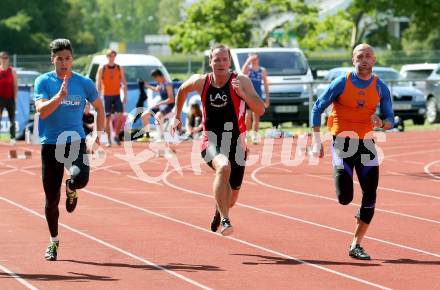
(290,232)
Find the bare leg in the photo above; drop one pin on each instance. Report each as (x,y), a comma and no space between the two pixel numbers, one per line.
(145,117)
(248,119)
(221,187)
(256,123)
(255,127)
(234,197)
(159,125)
(118,124)
(108,128)
(361,230)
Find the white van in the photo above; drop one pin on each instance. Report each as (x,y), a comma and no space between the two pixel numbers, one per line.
(288,74)
(136,66)
(139,66)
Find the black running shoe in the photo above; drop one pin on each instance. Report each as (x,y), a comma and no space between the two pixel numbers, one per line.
(51,251)
(71,198)
(215,223)
(226,227)
(117,141)
(359,253)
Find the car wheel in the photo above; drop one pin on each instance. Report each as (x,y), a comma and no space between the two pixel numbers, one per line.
(432,115)
(419,120)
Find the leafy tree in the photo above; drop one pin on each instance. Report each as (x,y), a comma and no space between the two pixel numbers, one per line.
(226,21)
(413,42)
(362,21)
(332,32)
(28,26)
(169,13)
(425,15)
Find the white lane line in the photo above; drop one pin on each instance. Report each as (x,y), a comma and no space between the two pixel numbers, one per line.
(108,167)
(410,153)
(18,278)
(254,177)
(428,171)
(113,247)
(393,173)
(8,171)
(146,180)
(250,182)
(302,220)
(406,161)
(236,239)
(385,188)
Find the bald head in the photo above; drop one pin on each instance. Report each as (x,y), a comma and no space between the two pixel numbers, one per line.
(363,47)
(363,60)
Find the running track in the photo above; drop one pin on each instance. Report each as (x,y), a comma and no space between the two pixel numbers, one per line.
(290,233)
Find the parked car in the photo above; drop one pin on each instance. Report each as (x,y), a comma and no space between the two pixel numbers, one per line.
(288,74)
(426,77)
(408,101)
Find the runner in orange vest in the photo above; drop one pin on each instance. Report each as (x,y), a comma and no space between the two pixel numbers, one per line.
(110,78)
(355,98)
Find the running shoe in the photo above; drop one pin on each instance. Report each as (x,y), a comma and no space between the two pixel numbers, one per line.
(52,251)
(215,223)
(358,253)
(226,227)
(72,198)
(144,138)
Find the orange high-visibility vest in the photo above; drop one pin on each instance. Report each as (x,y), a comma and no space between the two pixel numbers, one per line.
(352,110)
(111,80)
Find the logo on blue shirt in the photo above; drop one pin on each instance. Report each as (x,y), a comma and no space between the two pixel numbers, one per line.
(71,100)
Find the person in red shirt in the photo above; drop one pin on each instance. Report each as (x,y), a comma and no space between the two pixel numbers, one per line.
(8,91)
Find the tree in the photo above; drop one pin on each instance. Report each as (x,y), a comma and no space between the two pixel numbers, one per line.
(102,21)
(362,21)
(225,21)
(332,32)
(424,14)
(169,13)
(28,26)
(412,41)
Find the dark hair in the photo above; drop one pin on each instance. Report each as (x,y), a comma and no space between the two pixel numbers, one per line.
(156,73)
(197,113)
(221,47)
(60,44)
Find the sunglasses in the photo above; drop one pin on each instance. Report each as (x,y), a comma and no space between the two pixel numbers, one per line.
(5,57)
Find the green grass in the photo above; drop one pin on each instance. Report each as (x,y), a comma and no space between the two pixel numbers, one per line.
(4,137)
(409,126)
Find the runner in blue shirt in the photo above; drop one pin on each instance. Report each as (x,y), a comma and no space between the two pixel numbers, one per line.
(60,97)
(258,76)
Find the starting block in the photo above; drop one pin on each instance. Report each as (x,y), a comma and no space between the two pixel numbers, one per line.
(13,154)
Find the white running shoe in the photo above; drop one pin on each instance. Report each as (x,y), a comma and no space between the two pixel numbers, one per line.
(227,228)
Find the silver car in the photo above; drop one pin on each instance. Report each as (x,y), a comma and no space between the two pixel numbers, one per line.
(426,77)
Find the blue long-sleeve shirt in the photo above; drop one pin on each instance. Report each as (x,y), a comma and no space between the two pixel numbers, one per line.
(336,88)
